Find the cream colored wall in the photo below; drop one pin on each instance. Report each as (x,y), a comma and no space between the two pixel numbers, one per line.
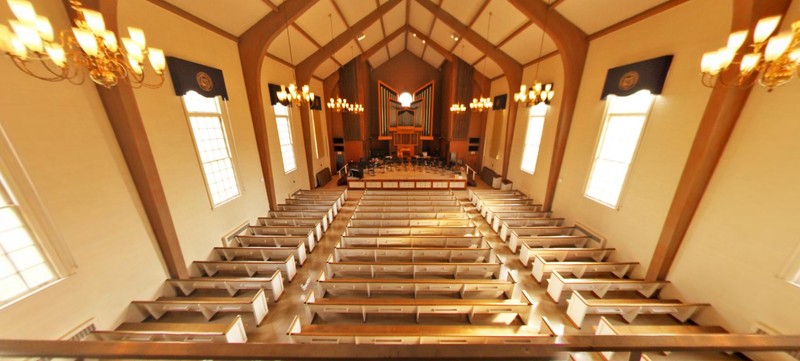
(277,73)
(550,70)
(743,241)
(324,161)
(199,225)
(66,144)
(633,229)
(499,86)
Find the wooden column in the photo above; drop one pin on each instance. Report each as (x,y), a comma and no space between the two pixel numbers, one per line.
(573,46)
(253,45)
(126,121)
(719,119)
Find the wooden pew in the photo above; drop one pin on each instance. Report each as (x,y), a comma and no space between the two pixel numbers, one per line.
(606,328)
(233,285)
(488,212)
(232,332)
(385,254)
(341,192)
(421,306)
(404,197)
(322,217)
(415,287)
(308,232)
(410,215)
(559,241)
(251,268)
(293,222)
(409,209)
(483,201)
(337,199)
(416,241)
(332,204)
(417,222)
(499,217)
(368,202)
(493,270)
(477,193)
(261,253)
(565,254)
(509,223)
(372,192)
(629,309)
(208,306)
(412,231)
(268,241)
(541,267)
(557,284)
(519,232)
(306,208)
(416,334)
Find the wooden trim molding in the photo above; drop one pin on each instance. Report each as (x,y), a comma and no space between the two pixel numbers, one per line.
(719,119)
(188,16)
(253,45)
(123,113)
(573,45)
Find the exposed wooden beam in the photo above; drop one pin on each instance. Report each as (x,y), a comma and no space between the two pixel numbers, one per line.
(271,5)
(573,45)
(408,16)
(188,16)
(555,3)
(515,33)
(386,40)
(383,27)
(637,18)
(479,60)
(346,24)
(284,62)
(446,53)
(126,120)
(253,45)
(541,58)
(306,35)
(719,119)
(472,21)
(317,78)
(307,66)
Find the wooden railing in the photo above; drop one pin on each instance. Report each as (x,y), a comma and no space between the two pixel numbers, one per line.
(546,348)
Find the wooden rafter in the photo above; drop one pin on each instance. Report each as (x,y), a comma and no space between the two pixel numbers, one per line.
(253,45)
(386,40)
(271,5)
(473,20)
(188,16)
(555,3)
(636,18)
(341,15)
(408,17)
(436,46)
(573,45)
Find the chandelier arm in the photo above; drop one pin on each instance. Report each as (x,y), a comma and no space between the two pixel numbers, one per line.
(21,66)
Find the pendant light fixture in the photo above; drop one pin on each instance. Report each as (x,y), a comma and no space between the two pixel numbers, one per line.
(458,108)
(483,104)
(299,96)
(538,93)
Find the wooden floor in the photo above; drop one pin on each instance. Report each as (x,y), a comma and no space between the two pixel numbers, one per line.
(274,327)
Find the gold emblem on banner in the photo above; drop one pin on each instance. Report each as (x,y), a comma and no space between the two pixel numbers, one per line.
(629,80)
(204,81)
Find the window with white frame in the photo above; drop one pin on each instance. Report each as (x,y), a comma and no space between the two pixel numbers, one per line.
(533,138)
(211,142)
(623,124)
(23,266)
(285,138)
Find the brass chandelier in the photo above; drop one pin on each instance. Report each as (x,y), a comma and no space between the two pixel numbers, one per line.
(483,104)
(89,48)
(299,96)
(773,61)
(458,108)
(340,105)
(539,93)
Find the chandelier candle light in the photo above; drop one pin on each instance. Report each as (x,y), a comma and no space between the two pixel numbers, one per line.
(774,60)
(483,104)
(293,94)
(89,48)
(538,93)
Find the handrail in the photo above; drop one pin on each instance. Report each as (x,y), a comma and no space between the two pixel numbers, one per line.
(541,348)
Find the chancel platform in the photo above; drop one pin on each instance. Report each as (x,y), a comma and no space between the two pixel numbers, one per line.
(409,179)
